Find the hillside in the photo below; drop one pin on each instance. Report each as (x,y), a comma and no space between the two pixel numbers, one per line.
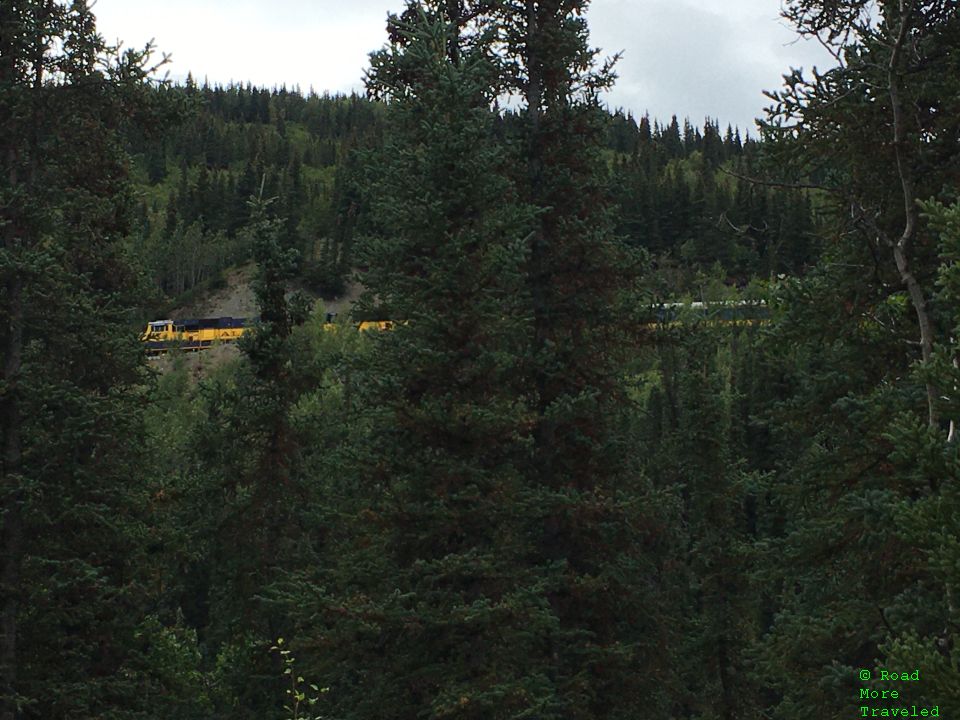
(235,298)
(676,191)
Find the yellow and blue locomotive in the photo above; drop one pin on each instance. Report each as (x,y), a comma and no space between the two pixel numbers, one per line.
(160,336)
(195,334)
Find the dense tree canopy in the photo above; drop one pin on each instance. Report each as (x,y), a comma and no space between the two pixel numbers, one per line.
(73,594)
(868,434)
(533,496)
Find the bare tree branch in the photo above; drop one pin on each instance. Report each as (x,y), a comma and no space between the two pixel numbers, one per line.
(779,184)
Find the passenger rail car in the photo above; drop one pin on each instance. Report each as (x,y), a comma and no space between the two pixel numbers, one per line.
(727,312)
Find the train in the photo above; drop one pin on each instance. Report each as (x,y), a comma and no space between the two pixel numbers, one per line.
(161,336)
(725,312)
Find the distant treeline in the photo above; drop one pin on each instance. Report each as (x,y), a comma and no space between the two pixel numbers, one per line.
(678,191)
(235,143)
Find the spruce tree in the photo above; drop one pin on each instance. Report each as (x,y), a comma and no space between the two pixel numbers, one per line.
(863,440)
(250,488)
(436,613)
(693,426)
(592,539)
(505,512)
(72,593)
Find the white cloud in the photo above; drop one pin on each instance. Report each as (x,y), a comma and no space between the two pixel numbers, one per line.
(324,44)
(690,57)
(697,58)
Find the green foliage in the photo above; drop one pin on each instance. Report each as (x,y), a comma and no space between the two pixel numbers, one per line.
(695,208)
(519,502)
(423,581)
(299,693)
(196,177)
(178,687)
(75,561)
(701,388)
(945,222)
(861,501)
(488,545)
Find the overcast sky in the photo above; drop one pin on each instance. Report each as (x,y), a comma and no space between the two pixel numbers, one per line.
(691,58)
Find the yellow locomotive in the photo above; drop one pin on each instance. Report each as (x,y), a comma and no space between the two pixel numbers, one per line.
(330,324)
(195,334)
(365,325)
(159,336)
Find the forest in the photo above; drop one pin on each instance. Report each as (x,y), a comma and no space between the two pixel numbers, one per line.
(525,500)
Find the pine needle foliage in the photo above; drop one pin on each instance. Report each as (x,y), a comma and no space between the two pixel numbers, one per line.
(73,499)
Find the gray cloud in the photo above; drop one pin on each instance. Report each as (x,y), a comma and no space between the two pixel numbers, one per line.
(698,58)
(693,58)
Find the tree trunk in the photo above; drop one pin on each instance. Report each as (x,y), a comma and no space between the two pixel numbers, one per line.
(12,498)
(538,276)
(10,479)
(454,13)
(901,247)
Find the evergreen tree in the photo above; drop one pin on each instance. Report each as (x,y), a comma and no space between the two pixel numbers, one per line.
(73,598)
(435,593)
(696,401)
(583,513)
(894,62)
(862,438)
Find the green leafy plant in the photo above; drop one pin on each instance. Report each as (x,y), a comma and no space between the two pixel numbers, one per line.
(297,694)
